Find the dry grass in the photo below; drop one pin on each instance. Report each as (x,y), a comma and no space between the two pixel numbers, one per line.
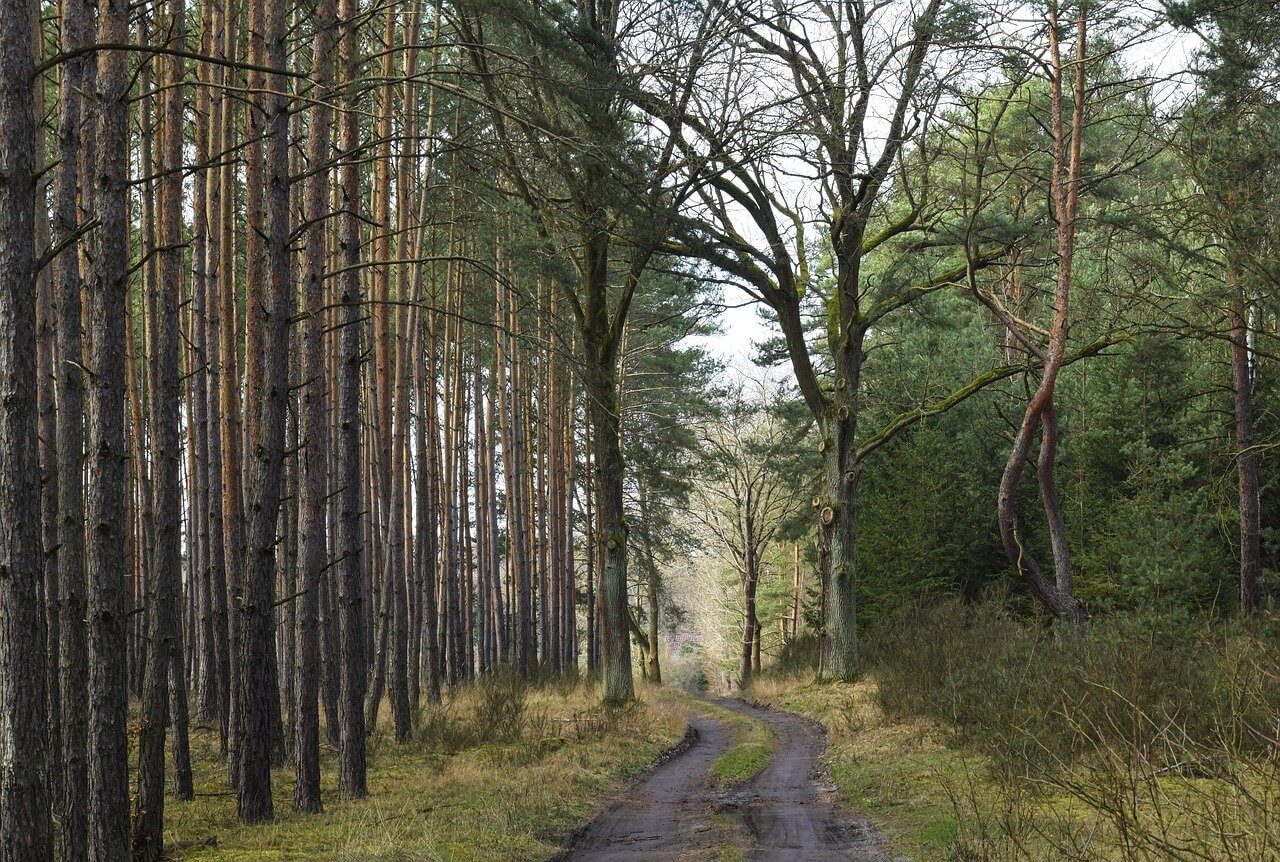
(889,769)
(1118,781)
(513,796)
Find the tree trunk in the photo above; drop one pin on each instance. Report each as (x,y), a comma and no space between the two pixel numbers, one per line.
(25,829)
(838,516)
(352,769)
(313,488)
(164,586)
(615,636)
(105,558)
(1056,595)
(1246,456)
(751,577)
(71,180)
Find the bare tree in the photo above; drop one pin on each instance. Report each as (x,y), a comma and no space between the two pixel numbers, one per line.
(746,502)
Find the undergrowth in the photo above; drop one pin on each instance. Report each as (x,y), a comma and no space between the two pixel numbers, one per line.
(498,771)
(981,736)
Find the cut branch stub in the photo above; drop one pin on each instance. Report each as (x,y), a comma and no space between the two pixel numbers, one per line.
(842,413)
(827,516)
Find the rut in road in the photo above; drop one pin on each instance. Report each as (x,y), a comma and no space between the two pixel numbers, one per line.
(784,813)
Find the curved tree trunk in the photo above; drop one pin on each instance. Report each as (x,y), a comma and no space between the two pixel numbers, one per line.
(1056,593)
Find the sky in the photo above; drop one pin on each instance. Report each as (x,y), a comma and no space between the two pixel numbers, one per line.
(1163,54)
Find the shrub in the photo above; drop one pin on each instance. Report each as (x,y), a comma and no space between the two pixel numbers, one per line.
(1151,685)
(1163,731)
(799,655)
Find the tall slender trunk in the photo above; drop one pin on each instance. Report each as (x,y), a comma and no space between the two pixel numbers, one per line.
(352,769)
(1246,456)
(213,180)
(750,579)
(231,425)
(71,182)
(25,829)
(425,506)
(653,593)
(164,625)
(47,603)
(1056,594)
(313,488)
(270,305)
(105,557)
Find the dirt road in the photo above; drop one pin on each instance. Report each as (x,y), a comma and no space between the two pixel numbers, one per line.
(784,813)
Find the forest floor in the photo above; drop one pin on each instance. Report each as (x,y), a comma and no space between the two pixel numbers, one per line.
(750,786)
(496,773)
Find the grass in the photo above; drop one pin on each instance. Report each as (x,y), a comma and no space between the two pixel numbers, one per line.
(937,798)
(892,770)
(751,746)
(453,793)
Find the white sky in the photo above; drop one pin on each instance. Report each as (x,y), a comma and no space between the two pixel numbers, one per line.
(1163,54)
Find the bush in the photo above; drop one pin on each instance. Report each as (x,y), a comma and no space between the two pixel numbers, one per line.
(799,655)
(1162,731)
(498,712)
(1152,685)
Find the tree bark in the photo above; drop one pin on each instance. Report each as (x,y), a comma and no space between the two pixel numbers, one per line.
(72,176)
(25,828)
(1246,456)
(313,487)
(1056,594)
(352,768)
(163,620)
(105,557)
(267,326)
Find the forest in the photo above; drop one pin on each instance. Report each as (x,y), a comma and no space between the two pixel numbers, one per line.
(639,429)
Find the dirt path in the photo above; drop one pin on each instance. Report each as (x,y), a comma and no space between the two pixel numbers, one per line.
(784,813)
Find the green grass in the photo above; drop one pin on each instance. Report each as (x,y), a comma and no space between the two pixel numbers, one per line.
(752,744)
(511,799)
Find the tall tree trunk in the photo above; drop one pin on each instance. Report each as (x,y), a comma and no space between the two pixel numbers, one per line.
(163,620)
(214,182)
(71,181)
(352,778)
(270,320)
(750,579)
(653,670)
(231,425)
(47,602)
(1056,594)
(426,510)
(313,488)
(25,829)
(105,557)
(1246,456)
(615,657)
